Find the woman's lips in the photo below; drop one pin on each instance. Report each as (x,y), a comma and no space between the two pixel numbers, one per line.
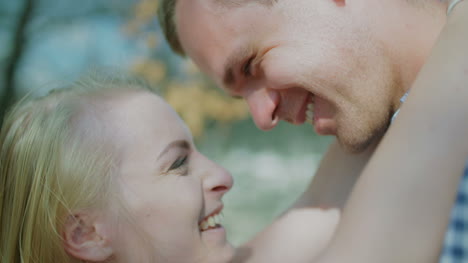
(211,220)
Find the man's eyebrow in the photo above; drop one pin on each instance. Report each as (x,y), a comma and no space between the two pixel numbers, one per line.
(179,143)
(236,57)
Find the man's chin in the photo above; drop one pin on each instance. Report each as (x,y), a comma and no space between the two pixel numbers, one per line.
(352,148)
(359,144)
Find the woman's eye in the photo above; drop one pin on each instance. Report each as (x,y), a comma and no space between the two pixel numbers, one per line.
(178,163)
(246,68)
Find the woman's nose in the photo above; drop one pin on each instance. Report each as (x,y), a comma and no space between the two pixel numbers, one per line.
(221,183)
(263,104)
(216,180)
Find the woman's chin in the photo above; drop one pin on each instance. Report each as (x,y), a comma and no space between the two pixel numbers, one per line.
(221,251)
(214,236)
(226,255)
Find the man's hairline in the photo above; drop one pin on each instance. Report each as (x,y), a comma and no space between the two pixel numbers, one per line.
(223,3)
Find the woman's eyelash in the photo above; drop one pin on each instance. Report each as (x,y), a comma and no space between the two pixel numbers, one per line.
(178,163)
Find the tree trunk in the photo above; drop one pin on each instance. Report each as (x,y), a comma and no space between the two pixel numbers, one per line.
(13,61)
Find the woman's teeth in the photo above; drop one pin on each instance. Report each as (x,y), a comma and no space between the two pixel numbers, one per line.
(310,113)
(211,222)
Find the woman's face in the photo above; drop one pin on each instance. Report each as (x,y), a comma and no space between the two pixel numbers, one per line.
(171,192)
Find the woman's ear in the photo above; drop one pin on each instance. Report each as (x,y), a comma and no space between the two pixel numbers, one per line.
(85,239)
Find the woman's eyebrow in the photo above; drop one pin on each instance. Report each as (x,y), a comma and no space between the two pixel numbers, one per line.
(175,144)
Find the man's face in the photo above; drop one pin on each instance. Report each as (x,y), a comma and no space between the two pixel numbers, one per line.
(282,57)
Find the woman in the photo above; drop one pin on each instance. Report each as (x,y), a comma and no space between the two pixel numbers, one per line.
(103,174)
(106,172)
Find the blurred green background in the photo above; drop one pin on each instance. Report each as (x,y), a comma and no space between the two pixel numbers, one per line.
(45,42)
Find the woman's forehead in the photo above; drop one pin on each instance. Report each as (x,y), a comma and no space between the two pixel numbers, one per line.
(132,117)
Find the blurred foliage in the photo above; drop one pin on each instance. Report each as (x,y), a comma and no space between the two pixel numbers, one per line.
(28,27)
(193,96)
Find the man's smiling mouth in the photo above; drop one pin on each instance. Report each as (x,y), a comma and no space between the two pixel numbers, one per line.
(310,109)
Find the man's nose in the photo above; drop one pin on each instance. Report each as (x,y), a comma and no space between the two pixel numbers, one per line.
(263,104)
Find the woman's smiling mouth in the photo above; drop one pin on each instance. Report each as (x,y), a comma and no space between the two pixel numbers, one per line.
(212,221)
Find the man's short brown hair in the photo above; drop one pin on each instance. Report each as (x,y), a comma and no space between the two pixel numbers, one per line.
(166,17)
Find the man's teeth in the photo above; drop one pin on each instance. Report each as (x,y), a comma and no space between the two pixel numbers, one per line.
(211,221)
(310,113)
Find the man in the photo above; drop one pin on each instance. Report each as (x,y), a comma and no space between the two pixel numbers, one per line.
(341,65)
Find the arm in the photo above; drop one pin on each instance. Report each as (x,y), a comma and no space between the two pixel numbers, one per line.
(303,231)
(335,178)
(400,206)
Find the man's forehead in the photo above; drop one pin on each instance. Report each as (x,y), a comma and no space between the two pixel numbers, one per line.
(204,31)
(212,33)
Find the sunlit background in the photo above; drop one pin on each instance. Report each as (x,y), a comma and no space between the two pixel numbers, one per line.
(45,42)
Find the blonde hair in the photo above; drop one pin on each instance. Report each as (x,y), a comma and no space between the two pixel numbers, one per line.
(51,166)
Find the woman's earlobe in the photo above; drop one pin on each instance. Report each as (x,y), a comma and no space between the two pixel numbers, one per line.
(83,240)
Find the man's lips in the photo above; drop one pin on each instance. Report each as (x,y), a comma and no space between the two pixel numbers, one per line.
(324,117)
